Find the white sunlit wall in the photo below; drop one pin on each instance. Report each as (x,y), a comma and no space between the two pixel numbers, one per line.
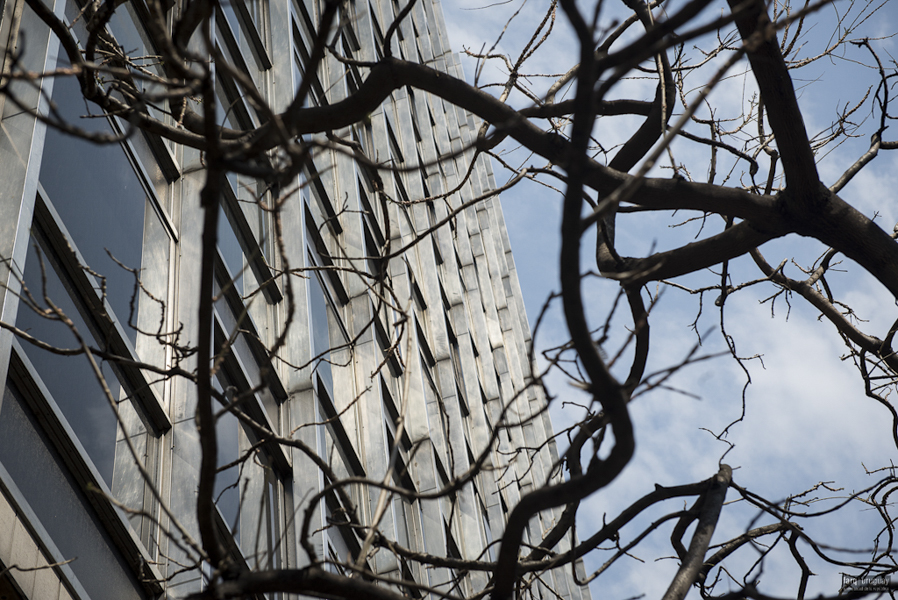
(339,382)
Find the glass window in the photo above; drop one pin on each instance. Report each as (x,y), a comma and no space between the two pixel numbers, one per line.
(51,492)
(246,479)
(335,455)
(371,211)
(298,73)
(372,253)
(322,209)
(395,152)
(378,34)
(70,380)
(124,24)
(455,355)
(401,515)
(241,194)
(392,412)
(226,109)
(431,222)
(230,13)
(227,480)
(231,251)
(100,200)
(318,315)
(337,551)
(390,349)
(325,288)
(271,514)
(235,325)
(131,36)
(242,27)
(488,534)
(334,442)
(301,58)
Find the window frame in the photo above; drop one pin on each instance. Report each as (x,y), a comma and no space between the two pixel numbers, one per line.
(253,253)
(278,466)
(239,314)
(67,261)
(52,421)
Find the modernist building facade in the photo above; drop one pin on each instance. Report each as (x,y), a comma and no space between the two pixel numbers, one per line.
(96,506)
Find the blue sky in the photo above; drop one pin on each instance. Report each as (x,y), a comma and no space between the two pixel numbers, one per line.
(807,419)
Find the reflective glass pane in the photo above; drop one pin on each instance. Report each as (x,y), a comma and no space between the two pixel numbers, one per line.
(70,380)
(136,44)
(134,41)
(99,197)
(230,14)
(231,251)
(318,314)
(273,517)
(61,507)
(227,494)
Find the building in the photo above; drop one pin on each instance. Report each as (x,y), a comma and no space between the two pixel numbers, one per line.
(450,353)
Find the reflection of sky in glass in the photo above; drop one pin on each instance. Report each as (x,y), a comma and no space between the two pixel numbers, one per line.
(99,198)
(71,380)
(61,508)
(226,493)
(320,337)
(230,249)
(230,13)
(133,42)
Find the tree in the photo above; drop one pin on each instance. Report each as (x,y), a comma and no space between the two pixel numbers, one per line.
(772,189)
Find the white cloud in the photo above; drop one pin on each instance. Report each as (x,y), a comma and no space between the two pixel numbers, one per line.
(807,419)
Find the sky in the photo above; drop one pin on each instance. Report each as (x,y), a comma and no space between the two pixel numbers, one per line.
(807,420)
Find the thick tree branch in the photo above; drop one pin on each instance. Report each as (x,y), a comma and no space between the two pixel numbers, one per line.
(701,539)
(775,84)
(312,581)
(735,241)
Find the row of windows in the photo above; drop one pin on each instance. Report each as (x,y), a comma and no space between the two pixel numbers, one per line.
(373,240)
(325,295)
(323,303)
(121,305)
(105,304)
